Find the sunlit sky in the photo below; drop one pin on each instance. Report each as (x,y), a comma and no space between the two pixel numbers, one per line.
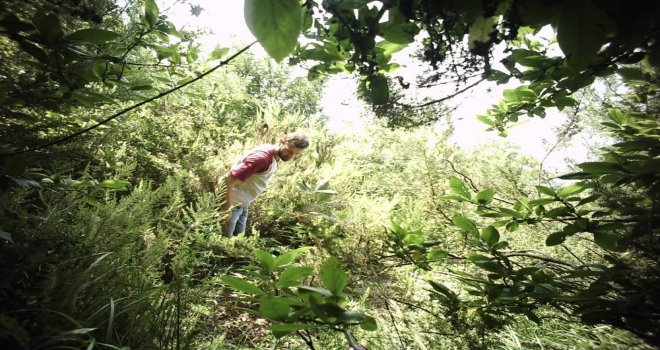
(224,20)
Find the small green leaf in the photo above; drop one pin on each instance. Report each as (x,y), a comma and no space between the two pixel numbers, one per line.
(608,241)
(398,29)
(93,35)
(486,263)
(547,191)
(512,226)
(119,185)
(442,289)
(380,91)
(540,201)
(573,189)
(266,259)
(192,55)
(466,225)
(511,212)
(275,23)
(413,238)
(369,324)
(218,53)
(437,254)
(563,102)
(485,196)
(350,316)
(500,245)
(285,259)
(490,235)
(481,33)
(6,236)
(589,199)
(458,187)
(555,238)
(559,211)
(241,285)
(288,257)
(332,276)
(293,275)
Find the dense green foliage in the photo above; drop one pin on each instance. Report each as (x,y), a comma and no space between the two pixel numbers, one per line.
(112,126)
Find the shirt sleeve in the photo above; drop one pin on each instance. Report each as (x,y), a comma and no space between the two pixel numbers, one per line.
(255,162)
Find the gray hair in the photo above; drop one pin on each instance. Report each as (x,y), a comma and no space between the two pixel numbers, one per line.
(297,139)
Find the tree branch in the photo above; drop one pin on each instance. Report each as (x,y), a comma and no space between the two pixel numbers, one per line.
(444,98)
(126,110)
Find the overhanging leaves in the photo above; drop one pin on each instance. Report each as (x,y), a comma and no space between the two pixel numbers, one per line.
(275,23)
(93,35)
(581,31)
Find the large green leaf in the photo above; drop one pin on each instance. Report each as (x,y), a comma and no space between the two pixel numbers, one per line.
(573,189)
(332,276)
(93,35)
(600,167)
(275,23)
(273,308)
(151,12)
(581,31)
(241,285)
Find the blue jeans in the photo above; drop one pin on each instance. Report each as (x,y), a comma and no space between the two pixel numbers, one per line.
(236,223)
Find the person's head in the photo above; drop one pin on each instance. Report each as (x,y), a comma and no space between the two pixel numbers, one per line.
(291,146)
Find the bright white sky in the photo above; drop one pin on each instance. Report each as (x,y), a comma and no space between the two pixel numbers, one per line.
(224,20)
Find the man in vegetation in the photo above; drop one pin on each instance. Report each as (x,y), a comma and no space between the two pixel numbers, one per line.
(249,177)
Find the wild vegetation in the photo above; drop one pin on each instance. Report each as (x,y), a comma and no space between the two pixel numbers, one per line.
(113,125)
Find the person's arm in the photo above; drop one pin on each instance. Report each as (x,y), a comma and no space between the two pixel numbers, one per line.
(230,180)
